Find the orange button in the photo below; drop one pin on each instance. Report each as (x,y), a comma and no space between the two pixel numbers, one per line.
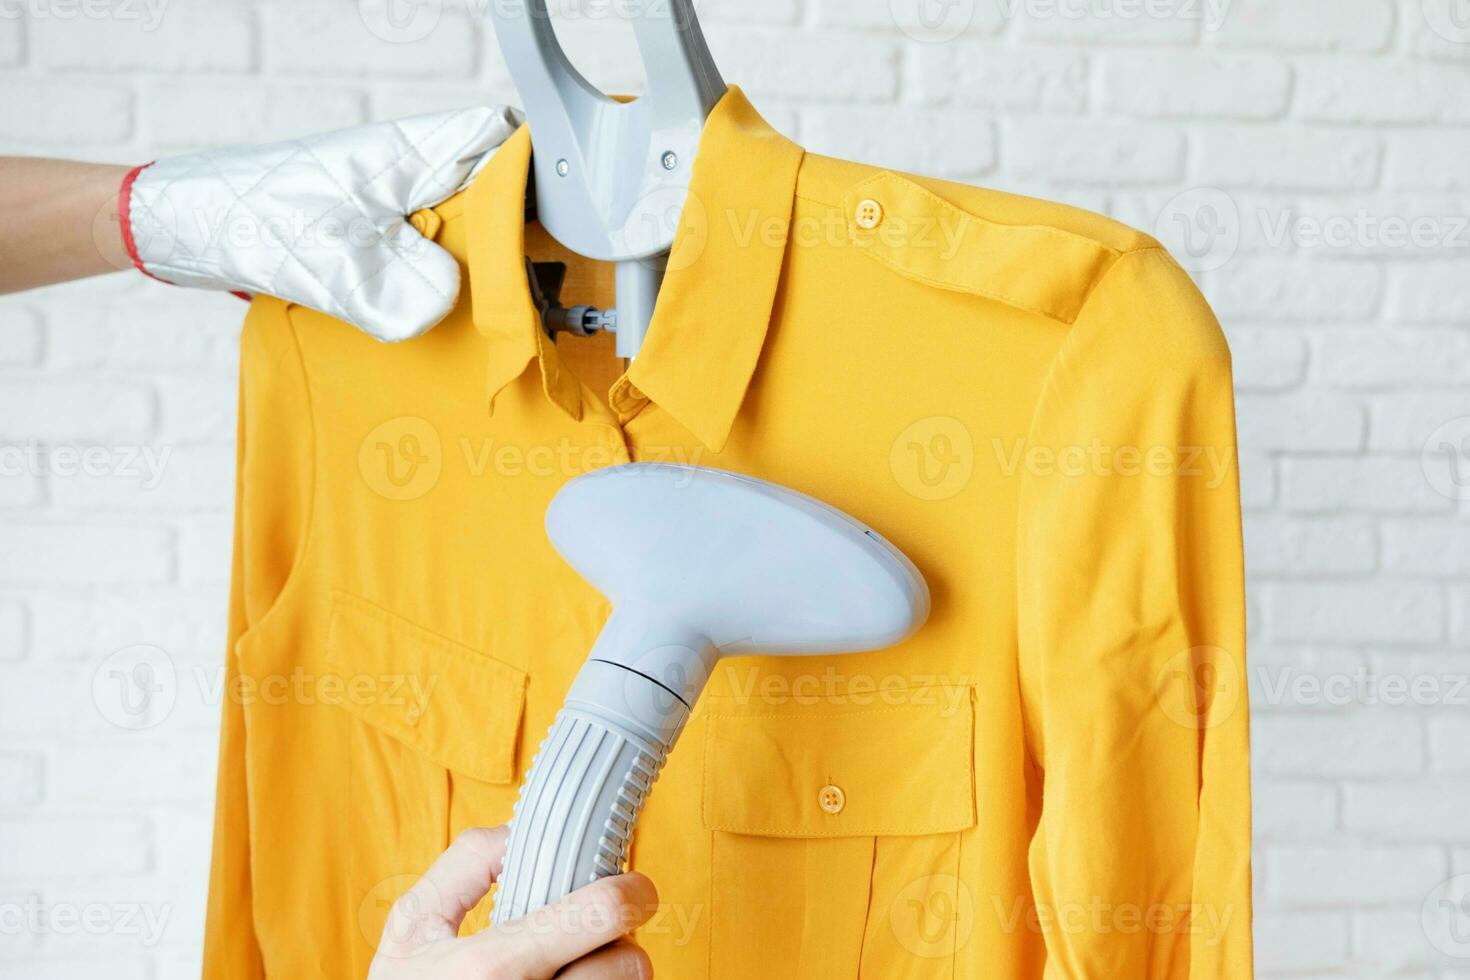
(832,799)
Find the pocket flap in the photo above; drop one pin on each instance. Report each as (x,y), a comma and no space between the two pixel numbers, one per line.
(448,701)
(837,771)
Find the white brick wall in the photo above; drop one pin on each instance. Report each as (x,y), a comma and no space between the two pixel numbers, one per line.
(1322,123)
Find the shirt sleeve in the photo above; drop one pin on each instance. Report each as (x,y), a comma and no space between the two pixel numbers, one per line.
(231,948)
(273,493)
(1132,640)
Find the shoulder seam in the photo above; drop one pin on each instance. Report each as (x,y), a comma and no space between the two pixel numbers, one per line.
(1117,261)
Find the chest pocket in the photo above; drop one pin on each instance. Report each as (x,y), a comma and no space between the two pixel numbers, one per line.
(433,722)
(836,836)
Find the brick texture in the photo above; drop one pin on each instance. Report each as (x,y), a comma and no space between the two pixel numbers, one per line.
(1312,132)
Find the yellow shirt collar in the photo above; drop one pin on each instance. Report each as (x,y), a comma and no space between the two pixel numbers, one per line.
(710,321)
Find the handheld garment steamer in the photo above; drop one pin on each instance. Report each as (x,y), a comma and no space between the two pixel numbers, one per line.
(698,564)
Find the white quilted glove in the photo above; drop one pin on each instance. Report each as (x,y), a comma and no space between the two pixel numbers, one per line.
(317,221)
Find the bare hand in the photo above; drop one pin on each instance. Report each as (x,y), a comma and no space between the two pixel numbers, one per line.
(583,936)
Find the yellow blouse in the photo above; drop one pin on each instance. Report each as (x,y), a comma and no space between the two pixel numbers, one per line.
(1050,780)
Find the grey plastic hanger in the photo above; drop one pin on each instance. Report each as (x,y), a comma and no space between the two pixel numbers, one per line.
(611,178)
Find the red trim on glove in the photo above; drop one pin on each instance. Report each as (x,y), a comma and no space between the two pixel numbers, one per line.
(125,219)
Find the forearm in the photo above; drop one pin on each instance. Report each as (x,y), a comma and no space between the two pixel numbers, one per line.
(58,221)
(362,262)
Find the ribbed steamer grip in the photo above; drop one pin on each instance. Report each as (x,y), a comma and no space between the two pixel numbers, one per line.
(578,805)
